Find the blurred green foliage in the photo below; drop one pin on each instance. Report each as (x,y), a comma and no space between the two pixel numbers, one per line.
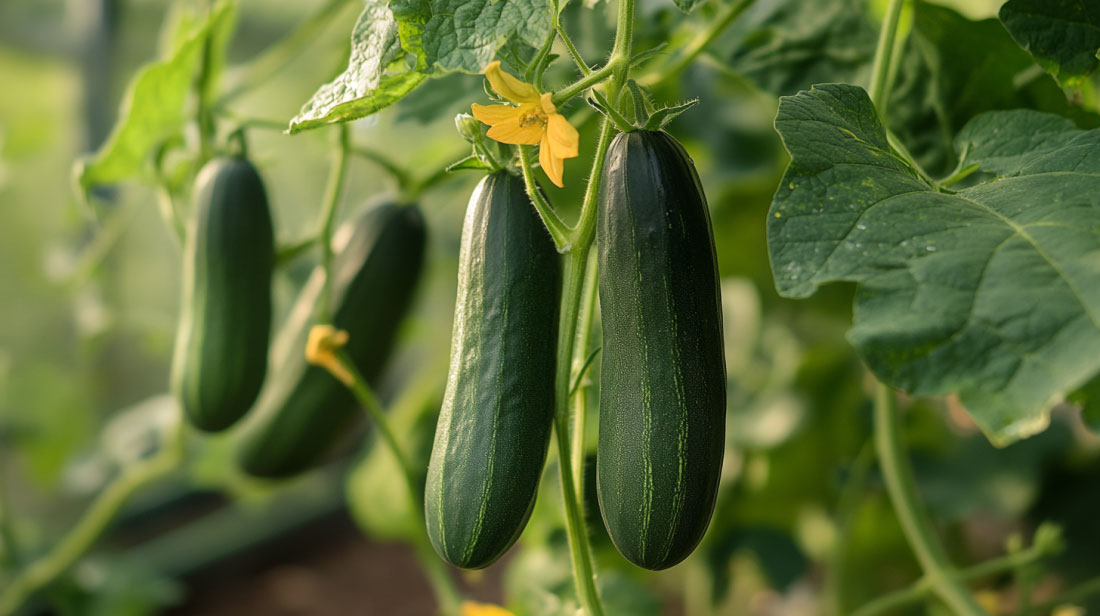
(802,525)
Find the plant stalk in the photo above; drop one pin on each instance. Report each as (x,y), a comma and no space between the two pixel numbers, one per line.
(333,188)
(940,574)
(880,73)
(442,585)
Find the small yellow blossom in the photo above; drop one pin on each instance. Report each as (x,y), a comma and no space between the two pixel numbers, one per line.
(323,341)
(532,120)
(469,608)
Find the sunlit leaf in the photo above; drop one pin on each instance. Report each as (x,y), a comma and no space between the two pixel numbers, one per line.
(992,292)
(368,85)
(1063,35)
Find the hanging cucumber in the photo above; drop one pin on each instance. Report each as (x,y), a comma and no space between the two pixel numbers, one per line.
(663,383)
(494,427)
(305,414)
(221,346)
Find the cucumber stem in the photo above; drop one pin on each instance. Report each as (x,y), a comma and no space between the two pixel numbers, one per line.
(939,573)
(880,73)
(333,188)
(584,574)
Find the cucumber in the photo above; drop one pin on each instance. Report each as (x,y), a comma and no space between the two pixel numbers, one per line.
(494,427)
(304,415)
(221,345)
(663,378)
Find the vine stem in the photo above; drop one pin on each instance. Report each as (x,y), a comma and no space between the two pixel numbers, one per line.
(579,398)
(920,590)
(333,188)
(584,572)
(94,522)
(443,586)
(880,73)
(939,573)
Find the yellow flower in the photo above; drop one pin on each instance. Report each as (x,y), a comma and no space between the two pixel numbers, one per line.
(469,608)
(320,351)
(532,120)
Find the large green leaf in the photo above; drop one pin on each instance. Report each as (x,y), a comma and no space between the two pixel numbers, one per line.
(441,36)
(1063,35)
(154,105)
(992,292)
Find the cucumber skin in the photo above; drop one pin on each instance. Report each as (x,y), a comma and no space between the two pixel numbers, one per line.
(663,381)
(220,358)
(494,427)
(305,414)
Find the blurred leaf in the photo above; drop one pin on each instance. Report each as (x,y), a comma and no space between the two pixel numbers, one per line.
(975,477)
(1062,35)
(787,48)
(780,558)
(956,68)
(114,586)
(688,6)
(988,292)
(48,416)
(153,107)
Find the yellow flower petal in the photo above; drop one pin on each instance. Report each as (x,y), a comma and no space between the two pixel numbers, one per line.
(508,86)
(469,608)
(323,341)
(495,114)
(551,165)
(548,106)
(514,132)
(564,138)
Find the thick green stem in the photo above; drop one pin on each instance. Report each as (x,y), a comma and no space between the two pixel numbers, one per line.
(94,522)
(584,575)
(880,73)
(565,94)
(579,398)
(898,476)
(442,585)
(698,44)
(333,189)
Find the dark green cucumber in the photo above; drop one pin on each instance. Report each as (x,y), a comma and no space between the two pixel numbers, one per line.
(663,383)
(494,427)
(304,414)
(221,345)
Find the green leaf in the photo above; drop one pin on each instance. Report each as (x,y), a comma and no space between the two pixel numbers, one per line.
(464,35)
(992,292)
(956,68)
(153,107)
(663,116)
(368,85)
(441,35)
(1062,35)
